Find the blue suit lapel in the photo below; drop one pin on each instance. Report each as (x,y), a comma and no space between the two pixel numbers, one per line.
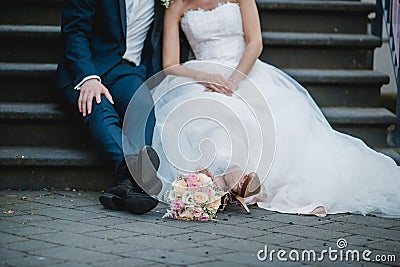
(158,23)
(122,11)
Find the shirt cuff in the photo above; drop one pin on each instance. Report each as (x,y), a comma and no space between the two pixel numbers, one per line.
(78,87)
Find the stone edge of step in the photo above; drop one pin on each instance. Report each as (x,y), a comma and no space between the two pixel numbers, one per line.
(335,115)
(269,38)
(49,156)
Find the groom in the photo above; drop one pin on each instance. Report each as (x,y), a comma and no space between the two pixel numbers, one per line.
(110,48)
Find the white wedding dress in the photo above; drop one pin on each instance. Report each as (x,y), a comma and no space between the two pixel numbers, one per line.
(271,125)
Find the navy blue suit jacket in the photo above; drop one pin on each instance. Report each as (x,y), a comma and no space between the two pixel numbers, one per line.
(94,35)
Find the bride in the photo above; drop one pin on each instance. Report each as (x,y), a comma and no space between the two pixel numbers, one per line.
(253,127)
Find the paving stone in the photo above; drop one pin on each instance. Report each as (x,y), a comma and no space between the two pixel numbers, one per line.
(243,258)
(387,245)
(68,226)
(110,234)
(69,264)
(264,225)
(230,230)
(293,219)
(358,240)
(9,238)
(205,251)
(167,257)
(106,221)
(76,254)
(276,238)
(258,213)
(234,217)
(65,214)
(155,242)
(151,216)
(153,229)
(26,218)
(7,254)
(314,244)
(94,208)
(197,237)
(71,239)
(25,206)
(125,262)
(370,221)
(338,226)
(233,244)
(377,232)
(178,223)
(30,245)
(116,248)
(30,261)
(308,232)
(11,225)
(213,264)
(29,230)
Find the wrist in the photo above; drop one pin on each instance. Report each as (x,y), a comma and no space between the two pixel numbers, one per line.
(234,81)
(84,80)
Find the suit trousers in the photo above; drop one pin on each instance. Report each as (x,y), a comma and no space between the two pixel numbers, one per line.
(105,121)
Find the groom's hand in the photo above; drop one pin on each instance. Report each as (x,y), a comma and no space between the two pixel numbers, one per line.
(90,89)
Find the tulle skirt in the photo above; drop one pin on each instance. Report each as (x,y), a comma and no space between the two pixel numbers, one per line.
(271,125)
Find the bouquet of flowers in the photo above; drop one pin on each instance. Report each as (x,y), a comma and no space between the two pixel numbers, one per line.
(193,197)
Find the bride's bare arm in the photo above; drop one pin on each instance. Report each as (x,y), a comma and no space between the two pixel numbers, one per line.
(254,44)
(171,51)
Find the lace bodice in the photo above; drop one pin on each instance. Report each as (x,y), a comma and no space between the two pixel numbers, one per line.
(215,35)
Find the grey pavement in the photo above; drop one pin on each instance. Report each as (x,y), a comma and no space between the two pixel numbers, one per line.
(54,228)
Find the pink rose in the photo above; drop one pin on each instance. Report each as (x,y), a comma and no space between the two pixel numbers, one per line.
(197,212)
(177,205)
(191,177)
(204,217)
(193,185)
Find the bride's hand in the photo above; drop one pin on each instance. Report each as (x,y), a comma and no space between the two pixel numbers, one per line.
(214,83)
(233,85)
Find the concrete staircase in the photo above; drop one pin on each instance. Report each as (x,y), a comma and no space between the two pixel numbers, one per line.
(325,45)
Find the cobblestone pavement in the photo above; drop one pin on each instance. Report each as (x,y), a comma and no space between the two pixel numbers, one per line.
(72,229)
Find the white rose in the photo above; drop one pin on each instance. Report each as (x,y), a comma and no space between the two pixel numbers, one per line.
(187,198)
(172,195)
(200,197)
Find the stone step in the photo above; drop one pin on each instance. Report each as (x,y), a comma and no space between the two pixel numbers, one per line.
(319,51)
(304,15)
(348,88)
(35,168)
(33,124)
(28,168)
(36,12)
(46,125)
(286,50)
(369,124)
(30,43)
(27,82)
(276,15)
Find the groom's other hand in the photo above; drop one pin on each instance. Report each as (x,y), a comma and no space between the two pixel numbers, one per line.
(90,89)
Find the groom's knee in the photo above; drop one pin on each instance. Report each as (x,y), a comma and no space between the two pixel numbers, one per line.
(102,111)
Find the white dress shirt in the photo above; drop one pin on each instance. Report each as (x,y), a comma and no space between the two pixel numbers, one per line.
(139,16)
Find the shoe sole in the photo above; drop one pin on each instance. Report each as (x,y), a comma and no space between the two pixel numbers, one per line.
(150,163)
(110,201)
(130,204)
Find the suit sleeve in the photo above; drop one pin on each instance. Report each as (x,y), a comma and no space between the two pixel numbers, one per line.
(76,28)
